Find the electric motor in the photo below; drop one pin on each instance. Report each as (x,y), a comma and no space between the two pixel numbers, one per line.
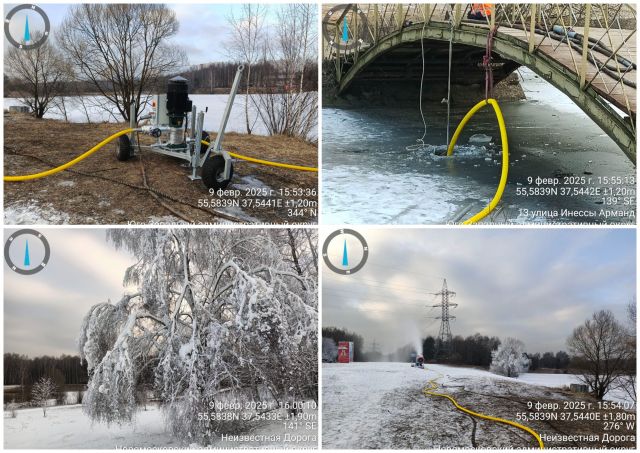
(178,103)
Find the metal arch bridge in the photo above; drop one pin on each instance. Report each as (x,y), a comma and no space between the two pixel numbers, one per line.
(595,68)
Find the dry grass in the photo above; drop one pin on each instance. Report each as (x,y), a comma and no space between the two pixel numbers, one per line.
(90,200)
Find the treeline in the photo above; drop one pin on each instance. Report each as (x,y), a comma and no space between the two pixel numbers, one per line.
(558,361)
(265,77)
(336,334)
(473,350)
(211,78)
(23,370)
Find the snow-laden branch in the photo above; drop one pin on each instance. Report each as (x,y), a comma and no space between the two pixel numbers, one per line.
(218,315)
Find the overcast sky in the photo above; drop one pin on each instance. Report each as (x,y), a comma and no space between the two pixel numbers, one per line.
(533,284)
(43,312)
(203,32)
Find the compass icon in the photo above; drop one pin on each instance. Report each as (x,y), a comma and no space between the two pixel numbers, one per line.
(342,26)
(345,251)
(27,26)
(27,252)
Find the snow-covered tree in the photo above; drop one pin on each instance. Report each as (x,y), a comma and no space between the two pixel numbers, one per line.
(43,391)
(509,359)
(329,350)
(218,315)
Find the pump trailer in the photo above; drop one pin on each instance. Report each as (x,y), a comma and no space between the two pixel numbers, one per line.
(179,129)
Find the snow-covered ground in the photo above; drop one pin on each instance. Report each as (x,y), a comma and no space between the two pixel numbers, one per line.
(69,428)
(381,405)
(33,213)
(564,380)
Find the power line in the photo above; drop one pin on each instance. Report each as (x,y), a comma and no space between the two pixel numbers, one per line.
(443,349)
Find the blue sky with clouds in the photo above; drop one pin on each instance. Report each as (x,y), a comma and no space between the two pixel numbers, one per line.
(533,284)
(204,28)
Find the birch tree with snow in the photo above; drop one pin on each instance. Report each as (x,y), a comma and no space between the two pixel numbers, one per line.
(509,359)
(218,315)
(329,350)
(42,392)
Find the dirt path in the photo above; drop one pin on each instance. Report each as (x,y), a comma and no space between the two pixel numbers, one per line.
(89,194)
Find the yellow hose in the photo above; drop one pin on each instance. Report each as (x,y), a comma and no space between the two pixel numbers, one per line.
(70,163)
(266,162)
(124,132)
(430,392)
(505,155)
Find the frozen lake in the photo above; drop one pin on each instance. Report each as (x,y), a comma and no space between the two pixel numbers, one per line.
(92,111)
(370,177)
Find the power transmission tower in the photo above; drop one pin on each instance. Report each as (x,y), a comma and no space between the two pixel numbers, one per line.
(374,346)
(443,346)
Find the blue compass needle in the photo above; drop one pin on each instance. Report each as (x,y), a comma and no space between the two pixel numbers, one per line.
(345,31)
(345,256)
(27,33)
(27,258)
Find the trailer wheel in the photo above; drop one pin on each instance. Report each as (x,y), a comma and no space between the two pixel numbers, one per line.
(206,138)
(213,173)
(124,150)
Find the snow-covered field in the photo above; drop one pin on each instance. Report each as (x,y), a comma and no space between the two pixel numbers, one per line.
(69,428)
(564,380)
(381,405)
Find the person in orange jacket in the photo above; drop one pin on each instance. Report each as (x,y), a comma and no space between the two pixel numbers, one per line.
(479,11)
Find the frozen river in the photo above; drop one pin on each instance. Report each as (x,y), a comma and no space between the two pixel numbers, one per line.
(370,177)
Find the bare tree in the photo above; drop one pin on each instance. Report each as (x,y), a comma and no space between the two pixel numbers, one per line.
(287,109)
(628,380)
(42,392)
(121,49)
(245,44)
(602,352)
(40,74)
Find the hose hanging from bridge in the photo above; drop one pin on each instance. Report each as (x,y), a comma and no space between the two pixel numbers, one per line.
(420,145)
(486,62)
(449,78)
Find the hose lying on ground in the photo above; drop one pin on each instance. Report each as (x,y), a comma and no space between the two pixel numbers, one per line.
(127,131)
(429,391)
(70,163)
(266,162)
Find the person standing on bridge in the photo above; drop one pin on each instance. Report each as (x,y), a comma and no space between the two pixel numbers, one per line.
(480,11)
